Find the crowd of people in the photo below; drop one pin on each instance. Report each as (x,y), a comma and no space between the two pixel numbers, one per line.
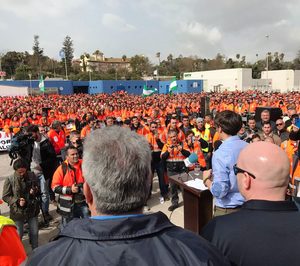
(57,168)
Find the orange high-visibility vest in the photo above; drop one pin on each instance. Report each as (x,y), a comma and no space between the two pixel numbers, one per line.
(11,248)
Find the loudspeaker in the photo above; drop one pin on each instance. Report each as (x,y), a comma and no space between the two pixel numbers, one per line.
(275,113)
(204,106)
(45,110)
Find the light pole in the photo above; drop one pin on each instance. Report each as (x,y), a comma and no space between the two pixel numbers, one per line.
(257,69)
(30,75)
(267,64)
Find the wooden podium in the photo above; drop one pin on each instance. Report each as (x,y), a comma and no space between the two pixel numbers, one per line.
(197,204)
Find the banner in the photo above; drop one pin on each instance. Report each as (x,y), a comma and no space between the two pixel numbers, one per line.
(4,141)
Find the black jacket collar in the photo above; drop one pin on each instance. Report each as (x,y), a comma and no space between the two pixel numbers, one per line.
(123,228)
(266,205)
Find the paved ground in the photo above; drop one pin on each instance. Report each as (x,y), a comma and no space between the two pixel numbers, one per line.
(47,233)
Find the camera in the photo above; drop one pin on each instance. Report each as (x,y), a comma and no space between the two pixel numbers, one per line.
(79,197)
(20,145)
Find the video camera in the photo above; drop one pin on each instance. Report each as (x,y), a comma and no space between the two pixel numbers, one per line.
(21,146)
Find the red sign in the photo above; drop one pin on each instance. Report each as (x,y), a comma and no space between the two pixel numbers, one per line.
(2,73)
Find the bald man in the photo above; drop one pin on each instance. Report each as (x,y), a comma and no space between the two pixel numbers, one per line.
(267,228)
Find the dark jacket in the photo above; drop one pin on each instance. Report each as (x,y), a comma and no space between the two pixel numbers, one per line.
(261,233)
(16,187)
(148,240)
(295,136)
(48,158)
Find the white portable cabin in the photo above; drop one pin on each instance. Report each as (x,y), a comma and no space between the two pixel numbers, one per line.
(223,79)
(283,80)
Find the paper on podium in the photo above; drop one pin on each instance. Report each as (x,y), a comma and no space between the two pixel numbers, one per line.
(196,183)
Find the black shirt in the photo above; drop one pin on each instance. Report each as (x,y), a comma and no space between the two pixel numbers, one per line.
(261,233)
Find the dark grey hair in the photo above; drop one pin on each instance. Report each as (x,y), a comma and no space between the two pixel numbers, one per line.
(117,167)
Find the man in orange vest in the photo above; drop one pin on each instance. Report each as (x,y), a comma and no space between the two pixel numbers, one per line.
(57,138)
(173,154)
(68,182)
(156,146)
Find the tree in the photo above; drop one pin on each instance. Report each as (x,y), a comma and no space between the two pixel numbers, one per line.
(140,66)
(69,51)
(97,53)
(296,61)
(37,52)
(22,72)
(11,61)
(158,56)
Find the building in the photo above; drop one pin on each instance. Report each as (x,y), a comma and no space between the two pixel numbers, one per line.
(223,79)
(97,62)
(228,79)
(66,87)
(283,80)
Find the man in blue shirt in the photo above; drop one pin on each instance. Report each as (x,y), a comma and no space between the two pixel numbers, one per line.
(221,180)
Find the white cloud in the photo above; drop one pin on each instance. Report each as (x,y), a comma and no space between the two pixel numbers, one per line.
(37,9)
(212,35)
(280,23)
(117,23)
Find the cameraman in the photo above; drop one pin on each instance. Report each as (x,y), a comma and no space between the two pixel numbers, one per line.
(44,164)
(67,182)
(173,154)
(20,192)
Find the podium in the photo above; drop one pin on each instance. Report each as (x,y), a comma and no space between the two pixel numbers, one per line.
(197,204)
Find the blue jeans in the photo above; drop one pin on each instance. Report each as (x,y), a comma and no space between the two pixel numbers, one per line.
(33,230)
(78,211)
(158,167)
(44,185)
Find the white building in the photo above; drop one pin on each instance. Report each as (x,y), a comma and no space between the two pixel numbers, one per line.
(283,80)
(224,79)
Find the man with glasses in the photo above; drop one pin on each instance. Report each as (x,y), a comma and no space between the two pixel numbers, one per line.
(281,131)
(221,180)
(75,141)
(267,227)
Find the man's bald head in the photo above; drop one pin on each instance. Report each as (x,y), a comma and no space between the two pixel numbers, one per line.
(270,166)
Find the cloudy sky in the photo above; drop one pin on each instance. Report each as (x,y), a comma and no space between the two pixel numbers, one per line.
(188,27)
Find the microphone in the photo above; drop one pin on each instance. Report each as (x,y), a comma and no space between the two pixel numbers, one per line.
(191,160)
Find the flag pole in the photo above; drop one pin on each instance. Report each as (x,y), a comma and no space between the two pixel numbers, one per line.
(66,68)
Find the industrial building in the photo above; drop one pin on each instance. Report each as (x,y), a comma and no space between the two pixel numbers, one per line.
(283,80)
(241,79)
(227,79)
(66,87)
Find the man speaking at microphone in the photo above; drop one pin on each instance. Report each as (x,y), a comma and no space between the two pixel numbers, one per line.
(221,180)
(173,154)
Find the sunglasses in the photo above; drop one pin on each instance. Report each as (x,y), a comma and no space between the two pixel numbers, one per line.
(238,170)
(280,124)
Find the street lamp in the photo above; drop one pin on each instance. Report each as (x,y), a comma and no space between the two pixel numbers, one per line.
(267,64)
(30,75)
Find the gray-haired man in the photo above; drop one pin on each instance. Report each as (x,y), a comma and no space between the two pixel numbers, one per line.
(117,170)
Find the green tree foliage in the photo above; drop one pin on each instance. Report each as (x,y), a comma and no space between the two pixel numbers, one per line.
(37,52)
(140,66)
(69,51)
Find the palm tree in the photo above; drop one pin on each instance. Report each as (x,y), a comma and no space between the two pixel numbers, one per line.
(158,56)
